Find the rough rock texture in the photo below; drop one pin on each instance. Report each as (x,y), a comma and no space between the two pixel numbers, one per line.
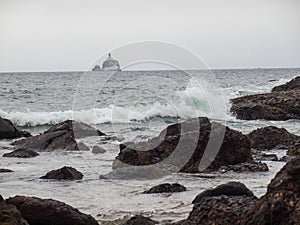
(64,173)
(271,138)
(49,212)
(222,205)
(9,215)
(98,150)
(165,188)
(187,142)
(59,137)
(281,203)
(21,153)
(246,167)
(230,189)
(9,131)
(140,220)
(294,149)
(269,106)
(291,85)
(265,157)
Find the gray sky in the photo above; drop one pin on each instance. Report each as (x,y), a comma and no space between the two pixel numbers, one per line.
(59,35)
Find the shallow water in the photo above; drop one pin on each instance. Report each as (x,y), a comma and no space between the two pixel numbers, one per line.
(132,106)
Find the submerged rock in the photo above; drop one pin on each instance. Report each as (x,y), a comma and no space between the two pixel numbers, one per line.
(22,153)
(282,104)
(98,150)
(59,137)
(39,211)
(10,215)
(5,170)
(166,188)
(221,205)
(140,220)
(64,173)
(188,146)
(294,84)
(271,138)
(281,203)
(246,167)
(9,131)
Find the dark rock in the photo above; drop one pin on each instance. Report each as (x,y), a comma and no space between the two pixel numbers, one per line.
(211,144)
(286,158)
(265,157)
(64,173)
(39,211)
(98,150)
(269,106)
(221,205)
(5,171)
(59,137)
(140,220)
(291,85)
(21,153)
(165,188)
(9,131)
(82,147)
(271,138)
(9,215)
(281,203)
(294,149)
(228,189)
(219,210)
(246,167)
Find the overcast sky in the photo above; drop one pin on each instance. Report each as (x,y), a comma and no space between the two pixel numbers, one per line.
(60,35)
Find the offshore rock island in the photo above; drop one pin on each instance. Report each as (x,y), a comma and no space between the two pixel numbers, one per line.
(110,64)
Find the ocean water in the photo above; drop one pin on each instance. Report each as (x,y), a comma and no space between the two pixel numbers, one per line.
(129,106)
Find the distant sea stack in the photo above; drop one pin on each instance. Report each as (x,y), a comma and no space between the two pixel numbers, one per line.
(110,64)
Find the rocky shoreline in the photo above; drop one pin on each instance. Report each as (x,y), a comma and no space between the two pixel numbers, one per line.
(185,147)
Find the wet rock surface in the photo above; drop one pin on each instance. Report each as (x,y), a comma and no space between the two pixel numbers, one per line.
(222,146)
(266,157)
(22,153)
(64,173)
(294,149)
(59,137)
(140,220)
(271,137)
(9,131)
(282,104)
(166,188)
(221,205)
(281,203)
(294,84)
(10,215)
(98,150)
(252,166)
(39,211)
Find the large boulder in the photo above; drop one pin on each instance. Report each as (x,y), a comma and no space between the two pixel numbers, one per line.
(271,138)
(9,131)
(294,84)
(269,106)
(64,173)
(281,203)
(166,188)
(282,104)
(221,205)
(187,145)
(10,215)
(61,136)
(39,211)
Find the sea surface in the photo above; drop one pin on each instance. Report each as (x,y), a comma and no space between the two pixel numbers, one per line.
(128,106)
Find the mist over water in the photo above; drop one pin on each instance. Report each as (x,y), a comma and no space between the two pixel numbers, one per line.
(134,106)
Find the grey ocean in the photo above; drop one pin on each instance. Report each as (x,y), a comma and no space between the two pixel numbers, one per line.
(130,106)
